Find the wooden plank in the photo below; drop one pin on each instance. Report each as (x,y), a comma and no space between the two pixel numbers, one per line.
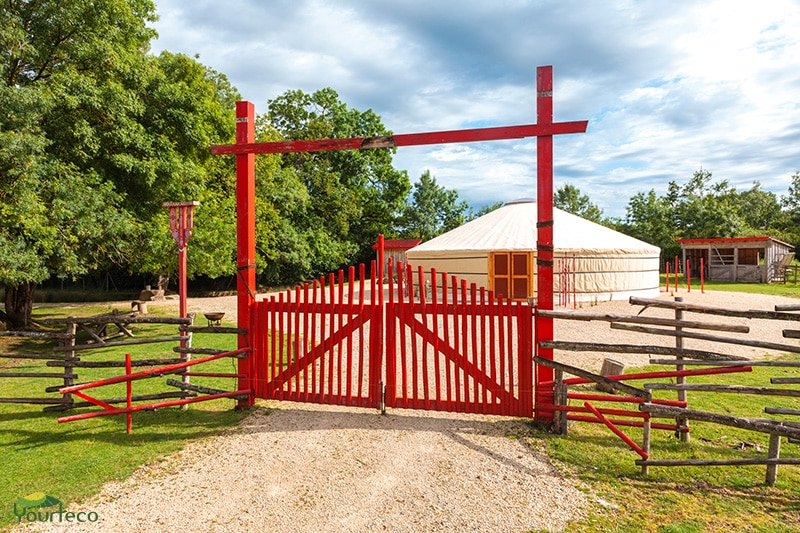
(786,364)
(733,389)
(39,401)
(655,321)
(37,375)
(785,381)
(114,364)
(613,384)
(139,398)
(713,338)
(719,462)
(114,319)
(791,334)
(79,347)
(635,348)
(37,334)
(753,313)
(195,388)
(781,411)
(202,351)
(213,329)
(760,425)
(32,356)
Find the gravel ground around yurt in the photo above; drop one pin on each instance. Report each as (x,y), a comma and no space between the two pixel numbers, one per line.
(293,467)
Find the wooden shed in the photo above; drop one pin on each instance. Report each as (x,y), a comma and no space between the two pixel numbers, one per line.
(396,249)
(739,259)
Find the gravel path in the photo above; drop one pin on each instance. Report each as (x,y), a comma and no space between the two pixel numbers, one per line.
(294,467)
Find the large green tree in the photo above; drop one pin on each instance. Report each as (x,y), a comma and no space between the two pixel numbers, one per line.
(432,209)
(570,199)
(95,134)
(347,197)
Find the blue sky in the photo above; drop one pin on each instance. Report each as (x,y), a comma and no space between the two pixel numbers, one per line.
(668,87)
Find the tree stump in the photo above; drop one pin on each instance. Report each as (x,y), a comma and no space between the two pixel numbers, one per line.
(610,368)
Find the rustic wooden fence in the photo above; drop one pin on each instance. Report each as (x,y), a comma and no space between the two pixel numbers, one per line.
(678,357)
(69,350)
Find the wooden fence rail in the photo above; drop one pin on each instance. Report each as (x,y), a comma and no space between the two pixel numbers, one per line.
(681,357)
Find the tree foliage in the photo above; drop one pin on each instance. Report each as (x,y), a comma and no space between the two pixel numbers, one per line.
(702,208)
(328,207)
(95,133)
(432,209)
(570,199)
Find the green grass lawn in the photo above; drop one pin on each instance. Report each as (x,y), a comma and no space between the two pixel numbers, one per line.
(71,461)
(790,290)
(686,499)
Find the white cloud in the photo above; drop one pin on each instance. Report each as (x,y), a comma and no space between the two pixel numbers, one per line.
(667,87)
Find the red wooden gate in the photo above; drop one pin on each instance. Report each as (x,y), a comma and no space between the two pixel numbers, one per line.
(457,350)
(317,343)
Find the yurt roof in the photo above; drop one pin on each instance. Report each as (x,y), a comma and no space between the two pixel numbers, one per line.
(512,227)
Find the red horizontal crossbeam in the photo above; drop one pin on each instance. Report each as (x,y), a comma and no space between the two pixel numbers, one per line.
(149,373)
(403,139)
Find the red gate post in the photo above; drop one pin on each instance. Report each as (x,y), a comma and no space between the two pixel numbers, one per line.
(544,239)
(246,242)
(181,223)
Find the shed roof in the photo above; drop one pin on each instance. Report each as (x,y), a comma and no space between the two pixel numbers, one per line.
(733,240)
(513,227)
(398,244)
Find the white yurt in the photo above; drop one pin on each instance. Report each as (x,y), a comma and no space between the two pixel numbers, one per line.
(592,263)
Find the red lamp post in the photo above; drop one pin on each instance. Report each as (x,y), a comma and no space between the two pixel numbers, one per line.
(181,222)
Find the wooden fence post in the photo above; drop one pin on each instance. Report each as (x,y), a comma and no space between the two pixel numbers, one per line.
(774,453)
(680,380)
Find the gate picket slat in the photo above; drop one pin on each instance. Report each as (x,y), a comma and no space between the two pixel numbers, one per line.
(331,328)
(435,346)
(409,287)
(361,335)
(313,345)
(446,335)
(483,341)
(455,315)
(493,319)
(340,370)
(424,362)
(323,339)
(509,359)
(414,374)
(304,348)
(351,274)
(464,346)
(474,330)
(505,348)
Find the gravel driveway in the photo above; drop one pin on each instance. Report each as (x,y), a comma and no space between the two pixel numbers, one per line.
(294,467)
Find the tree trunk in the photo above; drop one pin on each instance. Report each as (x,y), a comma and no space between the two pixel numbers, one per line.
(19,306)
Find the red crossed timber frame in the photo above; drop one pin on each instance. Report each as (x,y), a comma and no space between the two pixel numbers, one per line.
(246,148)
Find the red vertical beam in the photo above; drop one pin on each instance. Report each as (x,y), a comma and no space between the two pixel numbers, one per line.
(129,389)
(246,241)
(544,239)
